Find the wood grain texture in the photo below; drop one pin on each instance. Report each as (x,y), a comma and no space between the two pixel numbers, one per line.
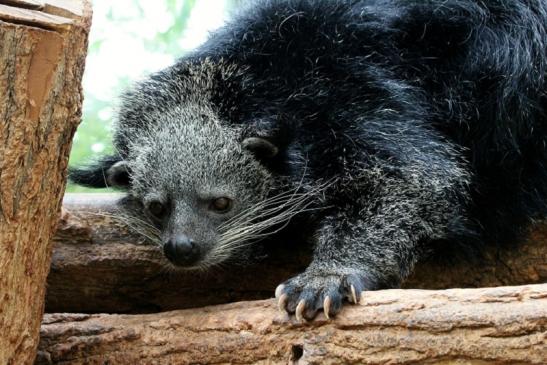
(504,325)
(100,266)
(41,64)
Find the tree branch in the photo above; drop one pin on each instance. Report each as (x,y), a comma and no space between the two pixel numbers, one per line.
(472,326)
(99,266)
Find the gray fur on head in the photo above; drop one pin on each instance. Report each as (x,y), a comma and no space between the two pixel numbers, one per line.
(182,153)
(190,158)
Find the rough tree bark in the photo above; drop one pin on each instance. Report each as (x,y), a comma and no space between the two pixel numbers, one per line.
(98,266)
(504,325)
(42,52)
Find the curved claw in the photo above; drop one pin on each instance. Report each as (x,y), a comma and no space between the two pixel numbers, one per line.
(282,302)
(353,295)
(279,290)
(326,306)
(300,310)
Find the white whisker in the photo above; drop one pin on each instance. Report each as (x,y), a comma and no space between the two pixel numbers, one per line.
(265,219)
(135,224)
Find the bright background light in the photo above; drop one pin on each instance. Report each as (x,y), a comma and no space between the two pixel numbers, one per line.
(126,33)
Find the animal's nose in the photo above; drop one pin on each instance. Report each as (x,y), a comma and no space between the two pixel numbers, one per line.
(181,250)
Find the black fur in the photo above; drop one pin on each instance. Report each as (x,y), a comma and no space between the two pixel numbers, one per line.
(468,72)
(430,115)
(95,175)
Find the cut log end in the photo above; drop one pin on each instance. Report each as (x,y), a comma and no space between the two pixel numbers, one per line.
(42,55)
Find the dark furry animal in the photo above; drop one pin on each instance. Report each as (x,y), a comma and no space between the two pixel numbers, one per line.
(393,129)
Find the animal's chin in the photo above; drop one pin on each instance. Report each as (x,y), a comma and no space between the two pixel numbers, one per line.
(199,266)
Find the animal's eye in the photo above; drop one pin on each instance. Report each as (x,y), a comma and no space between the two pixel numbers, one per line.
(221,205)
(157,209)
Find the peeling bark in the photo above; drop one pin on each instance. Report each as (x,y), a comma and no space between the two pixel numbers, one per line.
(504,325)
(99,266)
(41,64)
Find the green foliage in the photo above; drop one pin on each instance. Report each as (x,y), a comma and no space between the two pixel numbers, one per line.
(167,41)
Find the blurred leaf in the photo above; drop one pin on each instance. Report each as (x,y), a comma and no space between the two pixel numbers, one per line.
(168,41)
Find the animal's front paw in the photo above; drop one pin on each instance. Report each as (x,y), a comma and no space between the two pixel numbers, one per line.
(306,294)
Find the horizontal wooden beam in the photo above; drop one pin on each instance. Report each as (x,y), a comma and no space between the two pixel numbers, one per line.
(100,266)
(504,325)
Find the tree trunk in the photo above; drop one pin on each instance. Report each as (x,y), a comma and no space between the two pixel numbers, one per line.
(42,53)
(99,266)
(504,325)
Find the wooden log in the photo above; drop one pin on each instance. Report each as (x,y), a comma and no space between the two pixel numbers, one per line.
(504,325)
(42,51)
(99,266)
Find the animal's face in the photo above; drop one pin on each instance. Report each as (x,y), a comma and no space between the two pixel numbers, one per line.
(199,185)
(201,192)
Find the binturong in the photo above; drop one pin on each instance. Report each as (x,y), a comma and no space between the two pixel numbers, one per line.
(393,131)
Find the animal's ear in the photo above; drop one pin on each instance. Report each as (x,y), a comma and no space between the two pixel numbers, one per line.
(109,171)
(117,175)
(260,147)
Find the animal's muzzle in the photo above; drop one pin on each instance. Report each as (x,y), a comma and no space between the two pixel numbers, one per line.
(181,250)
